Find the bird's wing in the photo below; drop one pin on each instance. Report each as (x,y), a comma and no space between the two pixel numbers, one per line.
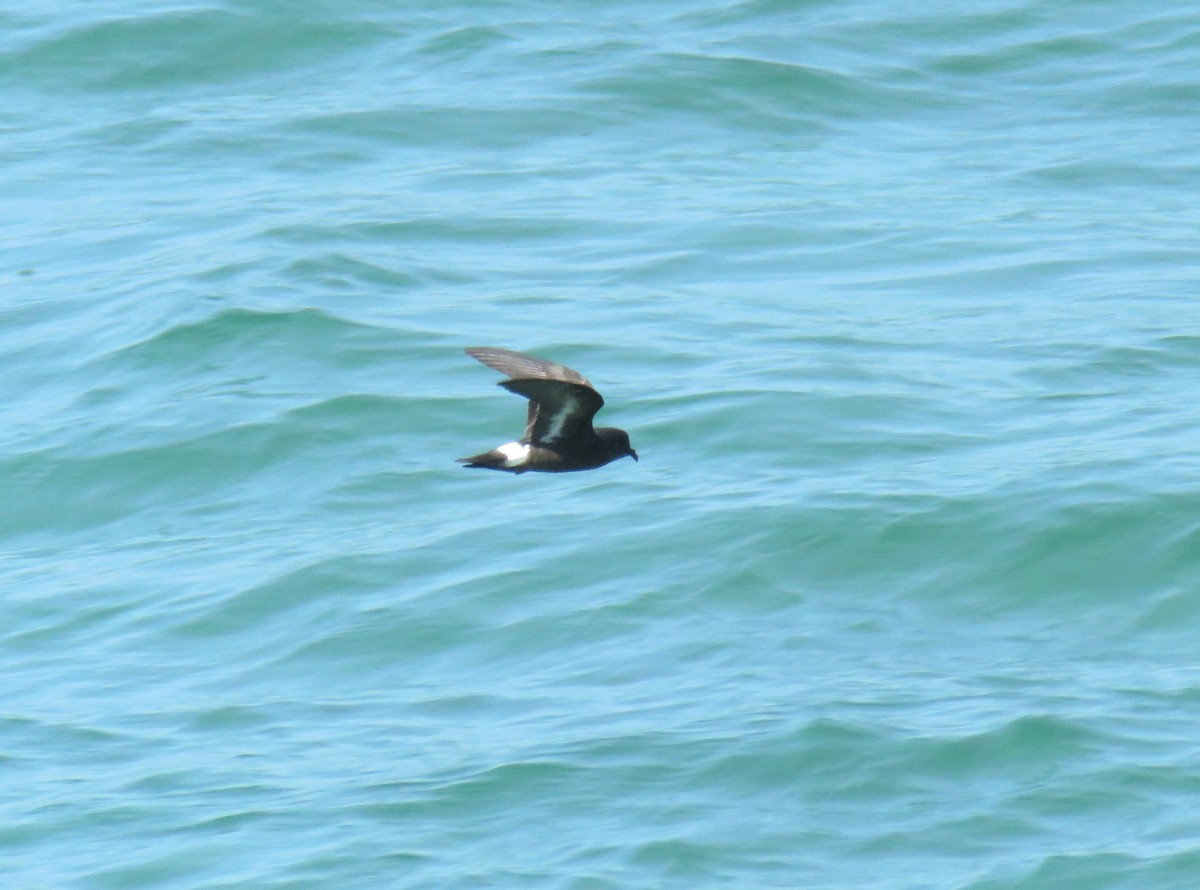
(562,402)
(520,366)
(563,411)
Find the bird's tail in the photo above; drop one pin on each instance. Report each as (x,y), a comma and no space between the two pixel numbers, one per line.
(489,460)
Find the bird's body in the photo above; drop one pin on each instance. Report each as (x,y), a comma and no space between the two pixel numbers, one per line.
(559,436)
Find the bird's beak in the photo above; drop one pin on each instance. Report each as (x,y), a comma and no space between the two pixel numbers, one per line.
(633,454)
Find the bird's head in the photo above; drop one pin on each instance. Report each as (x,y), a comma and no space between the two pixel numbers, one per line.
(616,442)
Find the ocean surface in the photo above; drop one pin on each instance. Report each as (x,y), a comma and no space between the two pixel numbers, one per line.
(899,304)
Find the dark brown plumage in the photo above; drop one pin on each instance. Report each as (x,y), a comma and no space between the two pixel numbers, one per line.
(559,436)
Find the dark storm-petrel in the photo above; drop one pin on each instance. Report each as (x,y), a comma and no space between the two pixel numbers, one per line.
(559,436)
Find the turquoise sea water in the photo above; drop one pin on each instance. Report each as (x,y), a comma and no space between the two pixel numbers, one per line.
(898,305)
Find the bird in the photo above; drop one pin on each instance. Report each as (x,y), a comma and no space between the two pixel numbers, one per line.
(559,436)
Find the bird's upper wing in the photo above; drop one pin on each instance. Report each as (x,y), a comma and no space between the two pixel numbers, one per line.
(562,402)
(520,366)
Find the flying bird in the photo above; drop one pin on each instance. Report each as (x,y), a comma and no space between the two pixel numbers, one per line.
(559,436)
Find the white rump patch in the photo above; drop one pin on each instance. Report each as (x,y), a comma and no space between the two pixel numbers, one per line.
(515,454)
